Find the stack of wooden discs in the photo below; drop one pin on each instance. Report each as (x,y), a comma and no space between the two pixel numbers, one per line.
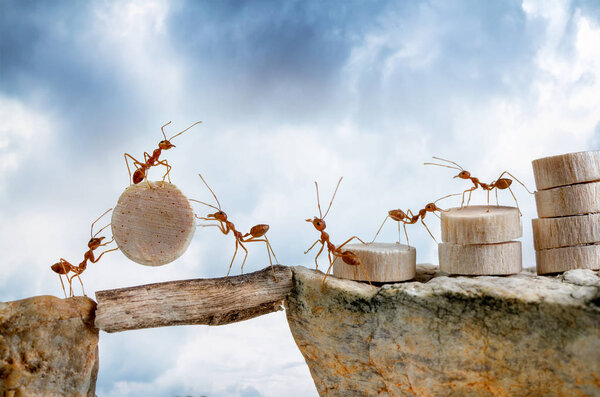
(567,233)
(478,240)
(383,262)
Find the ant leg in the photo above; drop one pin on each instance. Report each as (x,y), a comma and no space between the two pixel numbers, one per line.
(513,177)
(423,222)
(497,204)
(350,239)
(311,247)
(399,233)
(269,250)
(328,269)
(511,192)
(81,282)
(318,253)
(98,258)
(166,175)
(488,201)
(245,257)
(406,234)
(135,162)
(234,254)
(470,191)
(380,227)
(63,285)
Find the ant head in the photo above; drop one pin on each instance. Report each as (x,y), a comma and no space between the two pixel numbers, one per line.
(318,223)
(397,215)
(220,216)
(165,145)
(95,242)
(463,175)
(431,207)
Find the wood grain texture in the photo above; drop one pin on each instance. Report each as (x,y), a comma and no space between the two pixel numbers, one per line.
(565,231)
(481,259)
(558,260)
(383,262)
(580,199)
(476,225)
(153,226)
(566,169)
(215,301)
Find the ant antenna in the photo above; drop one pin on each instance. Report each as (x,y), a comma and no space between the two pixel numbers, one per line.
(331,202)
(198,122)
(450,195)
(163,129)
(458,167)
(92,228)
(318,202)
(213,193)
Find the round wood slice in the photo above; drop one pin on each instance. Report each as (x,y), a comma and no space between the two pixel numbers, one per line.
(557,260)
(566,231)
(566,169)
(578,199)
(153,226)
(480,259)
(475,225)
(383,262)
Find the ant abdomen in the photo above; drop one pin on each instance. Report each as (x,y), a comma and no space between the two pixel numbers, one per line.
(59,268)
(259,230)
(503,183)
(350,258)
(138,176)
(397,215)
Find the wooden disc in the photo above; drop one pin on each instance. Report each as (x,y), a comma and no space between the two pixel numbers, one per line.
(557,260)
(566,231)
(480,259)
(153,226)
(475,225)
(383,262)
(578,199)
(566,169)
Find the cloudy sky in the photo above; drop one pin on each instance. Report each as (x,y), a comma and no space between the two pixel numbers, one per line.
(289,93)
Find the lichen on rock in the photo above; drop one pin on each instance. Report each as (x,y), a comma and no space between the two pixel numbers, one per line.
(48,347)
(520,335)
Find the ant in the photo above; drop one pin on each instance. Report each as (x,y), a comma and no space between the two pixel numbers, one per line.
(348,257)
(498,184)
(149,161)
(225,226)
(63,267)
(408,218)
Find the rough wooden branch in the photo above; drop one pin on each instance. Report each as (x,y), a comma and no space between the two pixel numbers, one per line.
(215,301)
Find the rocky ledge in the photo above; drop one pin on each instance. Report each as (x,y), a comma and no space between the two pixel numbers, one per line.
(520,335)
(48,347)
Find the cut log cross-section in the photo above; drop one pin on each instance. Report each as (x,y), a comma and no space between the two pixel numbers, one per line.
(478,241)
(567,233)
(383,262)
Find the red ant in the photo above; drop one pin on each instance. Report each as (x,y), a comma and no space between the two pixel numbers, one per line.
(149,161)
(63,267)
(348,257)
(498,184)
(225,226)
(409,218)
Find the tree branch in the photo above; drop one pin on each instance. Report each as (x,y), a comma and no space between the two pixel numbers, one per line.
(215,301)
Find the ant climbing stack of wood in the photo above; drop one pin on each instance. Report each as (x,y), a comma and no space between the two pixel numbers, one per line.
(499,184)
(63,267)
(408,218)
(257,233)
(152,160)
(347,256)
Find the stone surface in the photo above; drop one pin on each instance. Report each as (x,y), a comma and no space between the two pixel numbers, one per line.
(48,347)
(519,335)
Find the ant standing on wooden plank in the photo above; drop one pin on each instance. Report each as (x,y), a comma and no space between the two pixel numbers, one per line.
(348,257)
(409,218)
(498,184)
(225,226)
(63,267)
(152,160)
